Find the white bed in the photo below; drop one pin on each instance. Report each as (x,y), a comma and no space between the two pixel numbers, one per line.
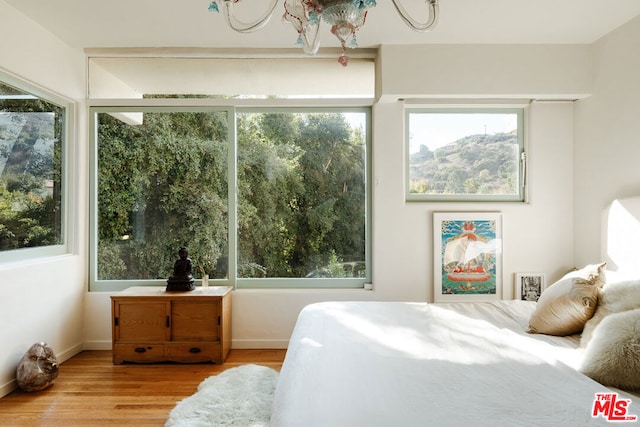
(410,364)
(367,364)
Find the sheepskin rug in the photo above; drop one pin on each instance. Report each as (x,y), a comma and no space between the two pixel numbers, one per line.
(612,356)
(239,396)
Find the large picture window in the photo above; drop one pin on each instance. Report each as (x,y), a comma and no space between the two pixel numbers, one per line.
(465,154)
(32,141)
(261,197)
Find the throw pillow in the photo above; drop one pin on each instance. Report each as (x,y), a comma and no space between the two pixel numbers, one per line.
(612,356)
(564,307)
(616,296)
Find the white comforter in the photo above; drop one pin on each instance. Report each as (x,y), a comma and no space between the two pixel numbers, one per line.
(364,364)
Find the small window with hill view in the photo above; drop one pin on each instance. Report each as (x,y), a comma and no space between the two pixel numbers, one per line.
(465,154)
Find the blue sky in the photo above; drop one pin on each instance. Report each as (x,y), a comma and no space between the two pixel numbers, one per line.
(436,130)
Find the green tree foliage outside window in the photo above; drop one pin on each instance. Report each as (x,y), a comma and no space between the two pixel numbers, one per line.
(30,170)
(301,196)
(161,185)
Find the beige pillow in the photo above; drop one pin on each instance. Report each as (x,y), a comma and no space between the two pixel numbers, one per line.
(565,307)
(612,356)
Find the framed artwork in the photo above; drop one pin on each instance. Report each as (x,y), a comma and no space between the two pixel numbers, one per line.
(467,256)
(529,286)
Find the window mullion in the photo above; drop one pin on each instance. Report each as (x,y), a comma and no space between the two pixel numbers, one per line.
(232,180)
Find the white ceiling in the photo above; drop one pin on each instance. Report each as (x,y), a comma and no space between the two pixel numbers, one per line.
(187,23)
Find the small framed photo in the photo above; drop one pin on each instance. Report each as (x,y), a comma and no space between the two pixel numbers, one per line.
(467,256)
(529,286)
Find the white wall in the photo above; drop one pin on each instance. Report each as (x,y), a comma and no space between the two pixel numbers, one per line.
(43,300)
(485,71)
(607,131)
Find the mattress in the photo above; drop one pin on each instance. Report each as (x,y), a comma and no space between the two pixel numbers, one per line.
(416,364)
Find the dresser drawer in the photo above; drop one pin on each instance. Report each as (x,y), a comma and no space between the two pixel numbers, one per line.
(194,352)
(138,353)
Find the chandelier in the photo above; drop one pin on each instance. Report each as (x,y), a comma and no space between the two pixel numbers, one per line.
(345,17)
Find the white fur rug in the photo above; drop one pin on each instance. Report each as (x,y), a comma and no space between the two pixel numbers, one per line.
(239,396)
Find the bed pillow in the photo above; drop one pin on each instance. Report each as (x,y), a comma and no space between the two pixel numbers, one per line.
(564,307)
(616,296)
(612,356)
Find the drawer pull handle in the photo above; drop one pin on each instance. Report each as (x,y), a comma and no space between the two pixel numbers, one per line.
(194,350)
(140,350)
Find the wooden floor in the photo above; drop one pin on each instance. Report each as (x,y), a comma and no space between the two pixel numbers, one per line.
(91,391)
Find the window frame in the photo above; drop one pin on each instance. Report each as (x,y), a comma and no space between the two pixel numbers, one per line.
(232,107)
(150,106)
(520,110)
(67,134)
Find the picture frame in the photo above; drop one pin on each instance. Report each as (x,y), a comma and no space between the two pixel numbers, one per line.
(467,256)
(529,286)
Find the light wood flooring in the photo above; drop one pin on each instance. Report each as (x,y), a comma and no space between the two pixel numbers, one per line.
(91,391)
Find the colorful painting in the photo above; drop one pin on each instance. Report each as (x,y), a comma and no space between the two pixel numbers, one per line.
(467,256)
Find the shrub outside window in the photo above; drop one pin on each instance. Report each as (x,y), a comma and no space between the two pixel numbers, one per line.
(470,154)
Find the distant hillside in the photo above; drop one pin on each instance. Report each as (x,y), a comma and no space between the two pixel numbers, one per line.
(475,164)
(26,144)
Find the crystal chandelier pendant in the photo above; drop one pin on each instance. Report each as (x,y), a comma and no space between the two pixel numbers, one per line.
(305,16)
(345,18)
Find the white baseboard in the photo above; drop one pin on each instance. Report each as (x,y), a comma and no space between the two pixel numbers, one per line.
(97,345)
(69,353)
(8,387)
(259,344)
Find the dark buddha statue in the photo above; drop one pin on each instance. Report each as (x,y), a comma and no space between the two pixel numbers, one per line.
(182,278)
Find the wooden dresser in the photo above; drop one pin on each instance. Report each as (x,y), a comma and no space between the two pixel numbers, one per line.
(151,325)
